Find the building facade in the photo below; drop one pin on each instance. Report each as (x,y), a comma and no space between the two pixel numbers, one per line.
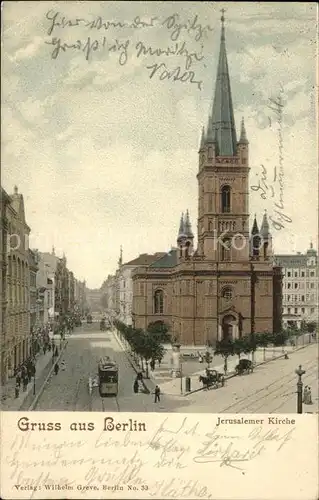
(125,285)
(228,287)
(34,301)
(15,335)
(300,287)
(80,296)
(47,264)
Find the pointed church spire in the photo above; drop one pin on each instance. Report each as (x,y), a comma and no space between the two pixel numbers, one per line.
(222,116)
(264,229)
(243,137)
(202,140)
(255,229)
(53,250)
(188,226)
(181,231)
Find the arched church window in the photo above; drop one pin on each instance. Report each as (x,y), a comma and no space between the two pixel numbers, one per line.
(226,249)
(227,293)
(159,302)
(225,199)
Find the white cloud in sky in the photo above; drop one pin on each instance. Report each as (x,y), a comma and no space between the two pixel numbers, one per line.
(105,156)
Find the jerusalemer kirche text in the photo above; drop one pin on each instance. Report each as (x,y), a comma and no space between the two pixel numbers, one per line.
(24,424)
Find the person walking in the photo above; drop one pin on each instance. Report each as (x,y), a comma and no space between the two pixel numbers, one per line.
(135,386)
(25,382)
(56,368)
(157,393)
(17,390)
(18,379)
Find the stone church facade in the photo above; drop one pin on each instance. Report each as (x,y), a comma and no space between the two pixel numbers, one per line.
(228,286)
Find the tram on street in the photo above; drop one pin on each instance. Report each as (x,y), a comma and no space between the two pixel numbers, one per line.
(108,377)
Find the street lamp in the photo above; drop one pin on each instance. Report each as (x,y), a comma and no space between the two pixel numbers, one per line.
(300,372)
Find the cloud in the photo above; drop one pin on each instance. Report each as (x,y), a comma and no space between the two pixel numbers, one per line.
(107,156)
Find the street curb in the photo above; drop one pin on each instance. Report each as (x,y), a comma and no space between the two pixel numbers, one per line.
(36,399)
(130,361)
(257,364)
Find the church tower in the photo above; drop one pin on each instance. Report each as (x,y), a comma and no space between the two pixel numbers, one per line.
(223,215)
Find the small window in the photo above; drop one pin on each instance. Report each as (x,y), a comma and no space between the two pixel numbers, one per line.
(296,310)
(289,310)
(289,274)
(225,199)
(296,275)
(312,274)
(227,293)
(303,274)
(303,310)
(302,298)
(288,298)
(296,285)
(288,285)
(312,285)
(312,310)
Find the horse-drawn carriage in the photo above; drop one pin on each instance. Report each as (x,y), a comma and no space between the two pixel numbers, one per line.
(212,379)
(244,366)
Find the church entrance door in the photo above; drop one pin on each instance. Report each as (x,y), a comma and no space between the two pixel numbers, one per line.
(228,326)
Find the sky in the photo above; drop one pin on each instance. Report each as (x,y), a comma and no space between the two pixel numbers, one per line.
(104,146)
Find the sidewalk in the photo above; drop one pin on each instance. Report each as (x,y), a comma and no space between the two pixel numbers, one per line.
(173,386)
(147,383)
(43,365)
(8,400)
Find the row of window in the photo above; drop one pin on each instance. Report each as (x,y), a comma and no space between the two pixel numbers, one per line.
(302,274)
(299,298)
(227,294)
(298,285)
(295,310)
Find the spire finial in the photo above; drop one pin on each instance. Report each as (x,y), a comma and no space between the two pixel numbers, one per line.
(243,136)
(223,25)
(53,250)
(15,189)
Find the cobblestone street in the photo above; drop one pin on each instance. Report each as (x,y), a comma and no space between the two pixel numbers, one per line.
(68,391)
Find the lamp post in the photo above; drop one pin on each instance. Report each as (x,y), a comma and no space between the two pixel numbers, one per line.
(300,372)
(181,372)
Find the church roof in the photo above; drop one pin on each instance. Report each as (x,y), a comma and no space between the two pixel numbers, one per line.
(221,123)
(145,259)
(168,260)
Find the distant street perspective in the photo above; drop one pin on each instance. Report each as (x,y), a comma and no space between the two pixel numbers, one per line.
(127,381)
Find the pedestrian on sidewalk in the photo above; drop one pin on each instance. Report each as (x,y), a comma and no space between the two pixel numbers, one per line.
(56,368)
(157,393)
(17,390)
(135,386)
(18,379)
(25,382)
(152,365)
(63,366)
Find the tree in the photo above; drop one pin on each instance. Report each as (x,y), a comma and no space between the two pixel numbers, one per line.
(224,348)
(159,330)
(311,326)
(262,340)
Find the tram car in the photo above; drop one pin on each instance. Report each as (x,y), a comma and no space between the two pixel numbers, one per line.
(108,377)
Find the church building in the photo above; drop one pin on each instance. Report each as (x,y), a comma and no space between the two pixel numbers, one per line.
(228,286)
